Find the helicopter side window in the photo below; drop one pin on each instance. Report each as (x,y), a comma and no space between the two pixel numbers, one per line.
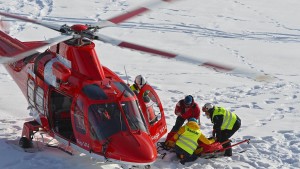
(122,86)
(39,99)
(94,92)
(105,120)
(153,111)
(30,91)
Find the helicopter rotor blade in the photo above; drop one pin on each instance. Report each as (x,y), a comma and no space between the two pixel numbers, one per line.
(188,59)
(52,26)
(21,52)
(132,13)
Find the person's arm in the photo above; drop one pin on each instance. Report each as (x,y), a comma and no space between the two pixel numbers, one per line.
(178,109)
(180,131)
(217,120)
(192,112)
(197,111)
(203,139)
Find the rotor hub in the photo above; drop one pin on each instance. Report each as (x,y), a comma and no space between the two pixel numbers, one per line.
(79,27)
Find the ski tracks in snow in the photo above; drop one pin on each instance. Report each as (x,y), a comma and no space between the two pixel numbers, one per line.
(279,151)
(258,97)
(38,8)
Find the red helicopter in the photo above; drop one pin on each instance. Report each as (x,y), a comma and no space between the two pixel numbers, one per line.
(82,103)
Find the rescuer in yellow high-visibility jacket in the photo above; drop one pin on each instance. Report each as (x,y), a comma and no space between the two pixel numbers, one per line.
(139,82)
(225,123)
(186,141)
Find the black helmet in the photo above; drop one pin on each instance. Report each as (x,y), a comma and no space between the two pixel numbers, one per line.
(188,100)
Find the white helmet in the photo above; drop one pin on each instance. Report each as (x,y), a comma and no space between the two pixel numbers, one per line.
(207,107)
(140,81)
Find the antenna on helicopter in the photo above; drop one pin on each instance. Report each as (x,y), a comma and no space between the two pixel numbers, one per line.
(126,74)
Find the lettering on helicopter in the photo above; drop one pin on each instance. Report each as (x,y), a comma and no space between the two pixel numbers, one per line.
(83,144)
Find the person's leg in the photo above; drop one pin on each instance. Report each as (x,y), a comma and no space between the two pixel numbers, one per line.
(224,137)
(189,158)
(181,154)
(227,134)
(186,157)
(179,122)
(235,128)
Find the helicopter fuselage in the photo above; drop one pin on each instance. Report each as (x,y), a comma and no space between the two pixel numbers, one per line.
(87,106)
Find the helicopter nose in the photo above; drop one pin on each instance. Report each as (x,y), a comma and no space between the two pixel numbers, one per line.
(135,148)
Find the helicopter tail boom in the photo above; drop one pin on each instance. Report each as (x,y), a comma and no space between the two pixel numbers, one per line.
(12,50)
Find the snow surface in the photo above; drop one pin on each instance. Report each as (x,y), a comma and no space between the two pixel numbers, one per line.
(258,35)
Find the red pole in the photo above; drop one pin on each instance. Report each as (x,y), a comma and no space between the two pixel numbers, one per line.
(241,142)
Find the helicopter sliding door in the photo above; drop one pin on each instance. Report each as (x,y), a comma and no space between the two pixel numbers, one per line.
(60,110)
(153,112)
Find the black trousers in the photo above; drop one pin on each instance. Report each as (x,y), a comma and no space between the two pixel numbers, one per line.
(224,135)
(179,122)
(184,156)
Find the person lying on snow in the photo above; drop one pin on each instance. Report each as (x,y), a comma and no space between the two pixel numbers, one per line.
(225,123)
(185,109)
(185,141)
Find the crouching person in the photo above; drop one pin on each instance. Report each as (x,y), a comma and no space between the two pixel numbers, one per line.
(186,141)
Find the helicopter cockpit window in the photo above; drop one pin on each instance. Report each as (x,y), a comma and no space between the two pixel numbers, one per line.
(94,92)
(105,120)
(133,115)
(122,87)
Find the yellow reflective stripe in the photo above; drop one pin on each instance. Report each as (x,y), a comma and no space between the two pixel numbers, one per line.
(192,149)
(186,139)
(226,120)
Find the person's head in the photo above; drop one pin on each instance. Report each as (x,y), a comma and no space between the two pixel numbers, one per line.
(208,109)
(140,81)
(188,100)
(193,119)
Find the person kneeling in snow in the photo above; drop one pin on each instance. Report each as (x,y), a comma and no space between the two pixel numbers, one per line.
(225,123)
(186,141)
(185,109)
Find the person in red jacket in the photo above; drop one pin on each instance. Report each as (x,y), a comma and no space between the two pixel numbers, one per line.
(185,109)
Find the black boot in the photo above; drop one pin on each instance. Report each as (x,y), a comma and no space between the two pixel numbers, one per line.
(228,152)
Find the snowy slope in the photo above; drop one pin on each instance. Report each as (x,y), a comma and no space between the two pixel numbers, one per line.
(262,36)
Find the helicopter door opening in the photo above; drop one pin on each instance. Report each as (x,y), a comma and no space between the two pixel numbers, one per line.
(61,115)
(153,111)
